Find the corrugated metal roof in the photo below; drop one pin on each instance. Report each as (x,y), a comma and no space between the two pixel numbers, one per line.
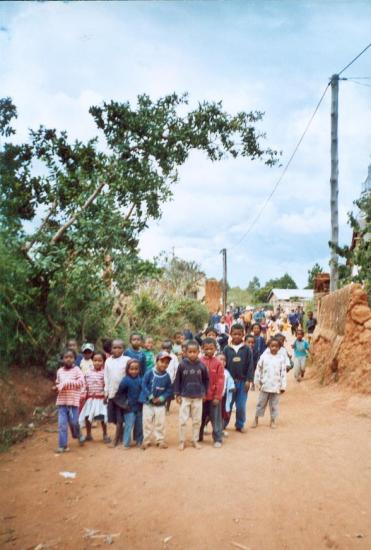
(288,293)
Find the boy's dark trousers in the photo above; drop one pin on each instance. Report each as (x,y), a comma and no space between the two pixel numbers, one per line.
(214,414)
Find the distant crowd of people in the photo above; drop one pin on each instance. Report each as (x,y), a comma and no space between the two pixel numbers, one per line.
(208,374)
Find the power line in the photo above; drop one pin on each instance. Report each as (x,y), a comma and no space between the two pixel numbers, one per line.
(355,59)
(358,77)
(354,81)
(284,170)
(297,147)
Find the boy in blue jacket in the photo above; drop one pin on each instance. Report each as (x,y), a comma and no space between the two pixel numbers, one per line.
(240,364)
(156,389)
(190,387)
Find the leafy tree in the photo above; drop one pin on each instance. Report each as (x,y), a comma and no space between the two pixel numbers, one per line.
(181,277)
(358,256)
(253,285)
(261,295)
(312,274)
(86,204)
(286,281)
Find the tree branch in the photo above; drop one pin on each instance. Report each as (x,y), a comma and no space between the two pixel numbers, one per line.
(73,218)
(27,247)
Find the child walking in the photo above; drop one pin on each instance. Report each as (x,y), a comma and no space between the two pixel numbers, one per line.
(240,364)
(301,351)
(114,371)
(212,408)
(95,408)
(131,387)
(270,377)
(156,388)
(190,387)
(69,385)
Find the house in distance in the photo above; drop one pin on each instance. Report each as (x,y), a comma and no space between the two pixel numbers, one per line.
(289,298)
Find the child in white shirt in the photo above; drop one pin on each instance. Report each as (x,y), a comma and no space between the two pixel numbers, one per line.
(270,377)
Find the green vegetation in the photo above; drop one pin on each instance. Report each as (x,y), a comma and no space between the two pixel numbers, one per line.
(261,294)
(257,295)
(312,274)
(357,265)
(71,214)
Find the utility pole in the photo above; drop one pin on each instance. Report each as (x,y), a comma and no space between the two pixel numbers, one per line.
(334,268)
(224,253)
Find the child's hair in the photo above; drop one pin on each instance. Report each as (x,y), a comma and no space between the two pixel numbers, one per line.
(177,334)
(256,325)
(148,338)
(130,363)
(249,336)
(117,341)
(237,326)
(209,341)
(135,334)
(69,350)
(101,353)
(107,345)
(273,339)
(300,330)
(167,344)
(210,329)
(192,344)
(220,354)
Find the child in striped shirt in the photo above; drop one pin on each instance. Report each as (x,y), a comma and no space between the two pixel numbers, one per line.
(95,408)
(69,384)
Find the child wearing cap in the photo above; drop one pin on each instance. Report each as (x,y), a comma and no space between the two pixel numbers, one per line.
(86,362)
(156,389)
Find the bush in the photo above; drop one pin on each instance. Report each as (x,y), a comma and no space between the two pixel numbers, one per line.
(182,312)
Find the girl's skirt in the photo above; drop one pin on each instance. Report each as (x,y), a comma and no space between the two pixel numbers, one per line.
(94,409)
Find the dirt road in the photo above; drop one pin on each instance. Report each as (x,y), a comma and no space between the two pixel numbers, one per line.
(306,485)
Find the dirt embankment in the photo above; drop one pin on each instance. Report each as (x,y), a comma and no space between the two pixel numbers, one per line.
(24,395)
(341,345)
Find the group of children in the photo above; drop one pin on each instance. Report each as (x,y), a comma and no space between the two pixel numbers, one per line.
(133,389)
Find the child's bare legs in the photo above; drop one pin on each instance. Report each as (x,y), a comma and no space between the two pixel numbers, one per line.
(88,430)
(106,437)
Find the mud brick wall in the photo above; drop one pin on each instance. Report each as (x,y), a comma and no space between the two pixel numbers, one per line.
(341,344)
(213,295)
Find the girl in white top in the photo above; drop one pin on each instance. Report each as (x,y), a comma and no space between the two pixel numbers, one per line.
(270,377)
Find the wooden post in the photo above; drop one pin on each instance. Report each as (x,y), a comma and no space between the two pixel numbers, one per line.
(334,269)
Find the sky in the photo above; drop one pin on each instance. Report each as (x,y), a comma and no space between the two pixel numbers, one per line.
(59,58)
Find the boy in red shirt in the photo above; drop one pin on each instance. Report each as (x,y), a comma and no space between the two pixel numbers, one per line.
(212,409)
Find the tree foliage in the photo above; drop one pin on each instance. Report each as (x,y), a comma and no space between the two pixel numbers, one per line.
(261,295)
(312,274)
(357,266)
(72,212)
(253,285)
